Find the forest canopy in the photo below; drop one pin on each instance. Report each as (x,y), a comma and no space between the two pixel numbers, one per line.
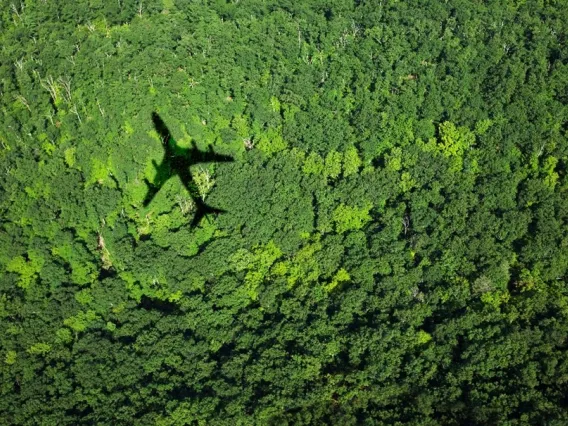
(394,247)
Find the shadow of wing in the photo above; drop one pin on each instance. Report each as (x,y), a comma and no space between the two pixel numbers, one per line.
(210,156)
(219,158)
(163,173)
(161,128)
(150,194)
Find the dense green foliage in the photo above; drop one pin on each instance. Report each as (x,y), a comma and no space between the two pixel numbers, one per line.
(396,243)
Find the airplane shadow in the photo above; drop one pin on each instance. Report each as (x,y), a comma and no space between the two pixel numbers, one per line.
(177,162)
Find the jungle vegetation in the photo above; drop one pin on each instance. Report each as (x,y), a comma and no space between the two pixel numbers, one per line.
(394,247)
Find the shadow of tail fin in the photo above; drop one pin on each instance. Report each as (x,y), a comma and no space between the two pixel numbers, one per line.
(203,210)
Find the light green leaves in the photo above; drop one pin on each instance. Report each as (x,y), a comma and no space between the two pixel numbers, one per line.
(423,337)
(271,141)
(39,349)
(348,218)
(336,164)
(100,173)
(81,321)
(313,164)
(257,263)
(11,357)
(64,336)
(340,277)
(332,168)
(26,268)
(351,161)
(453,143)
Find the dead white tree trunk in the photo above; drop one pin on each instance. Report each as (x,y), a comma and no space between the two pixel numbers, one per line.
(66,84)
(74,111)
(102,111)
(24,102)
(50,85)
